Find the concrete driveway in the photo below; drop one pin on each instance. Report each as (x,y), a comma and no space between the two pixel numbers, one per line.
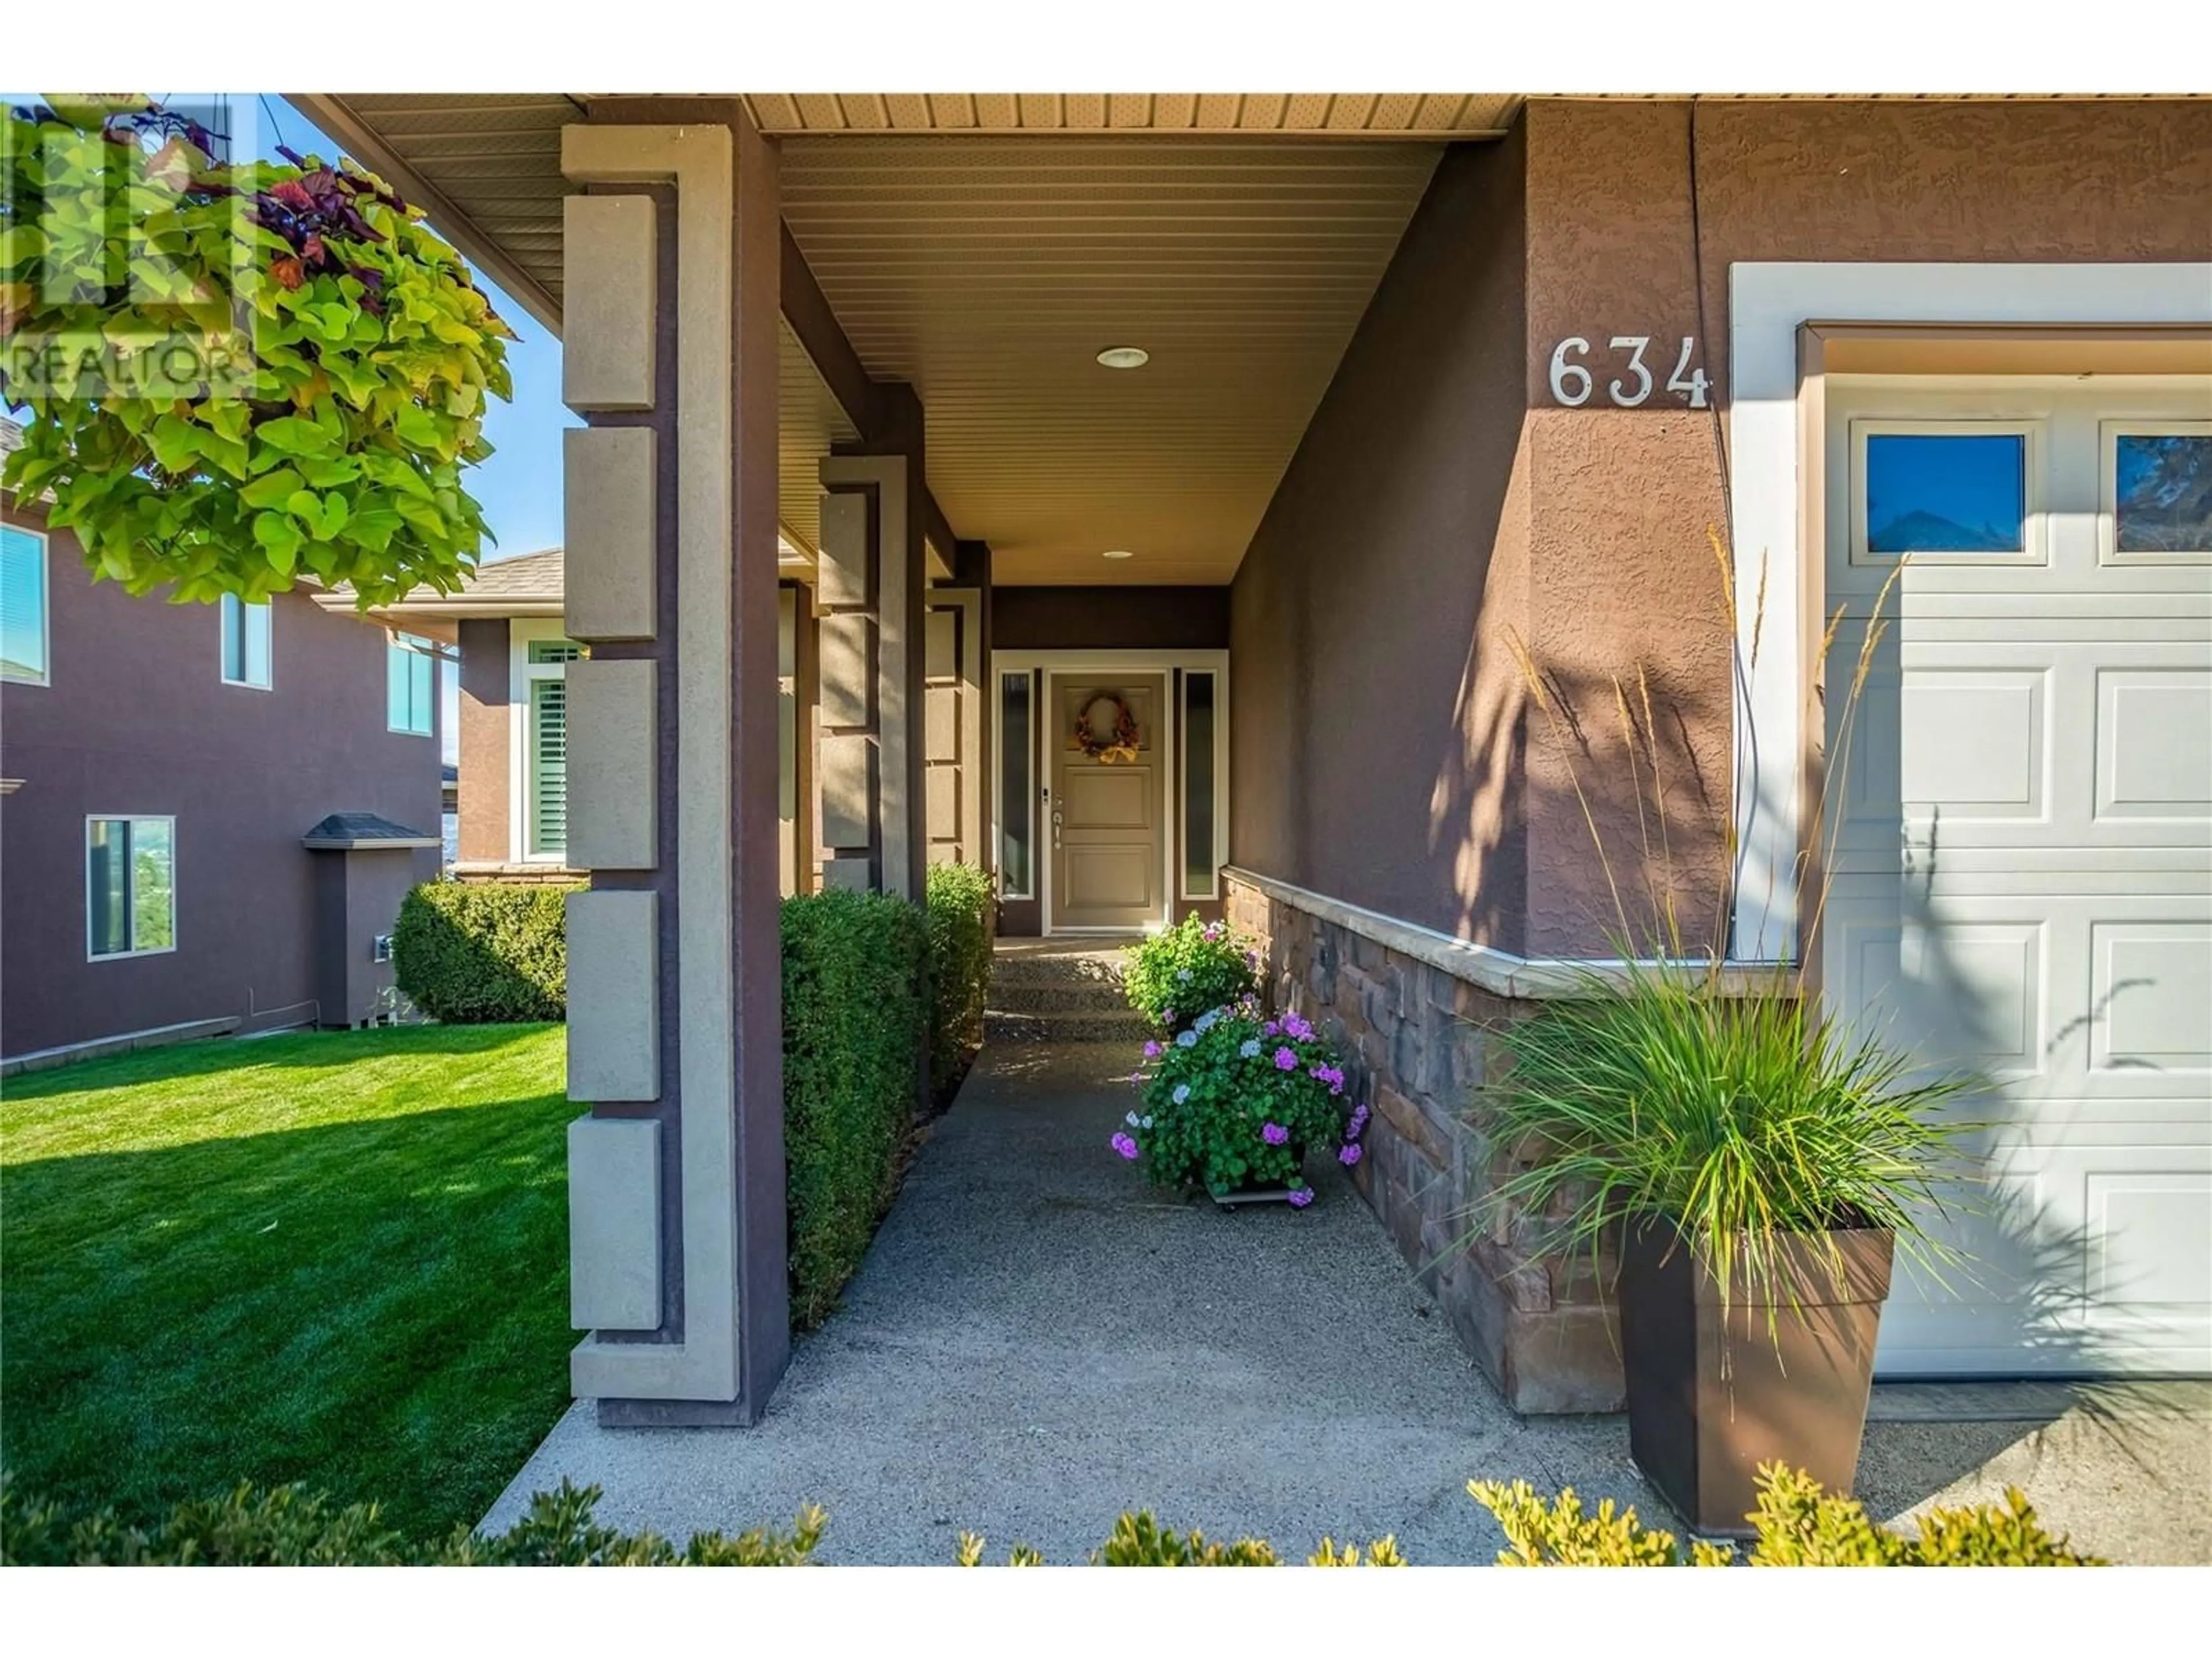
(1038,1341)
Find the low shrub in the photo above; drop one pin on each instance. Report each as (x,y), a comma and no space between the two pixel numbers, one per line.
(963,916)
(1798,1524)
(1139,1541)
(1175,975)
(1234,1103)
(484,952)
(289,1527)
(856,969)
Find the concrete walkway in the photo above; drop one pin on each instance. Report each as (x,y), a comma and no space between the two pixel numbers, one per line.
(1037,1341)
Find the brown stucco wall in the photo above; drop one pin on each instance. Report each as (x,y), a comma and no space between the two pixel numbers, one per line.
(1623,575)
(1110,619)
(486,734)
(1375,749)
(1440,499)
(137,721)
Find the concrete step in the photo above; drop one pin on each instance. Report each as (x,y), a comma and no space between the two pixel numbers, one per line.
(1049,964)
(1028,999)
(1126,1029)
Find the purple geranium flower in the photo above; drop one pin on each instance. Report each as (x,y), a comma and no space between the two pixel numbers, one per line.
(1124,1145)
(1285,1060)
(1152,1050)
(1300,1197)
(1275,1134)
(1358,1122)
(1350,1155)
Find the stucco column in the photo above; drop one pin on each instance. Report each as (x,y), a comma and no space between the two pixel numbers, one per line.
(676,1177)
(870,594)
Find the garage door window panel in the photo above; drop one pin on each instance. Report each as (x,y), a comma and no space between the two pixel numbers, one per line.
(1947,492)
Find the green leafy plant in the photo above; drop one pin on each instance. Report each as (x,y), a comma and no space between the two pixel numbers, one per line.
(1738,1119)
(1235,1102)
(1797,1522)
(290,1526)
(1175,975)
(962,910)
(254,373)
(1381,1552)
(1139,1541)
(484,952)
(855,1014)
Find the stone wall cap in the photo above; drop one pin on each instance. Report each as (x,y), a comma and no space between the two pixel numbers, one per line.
(1502,973)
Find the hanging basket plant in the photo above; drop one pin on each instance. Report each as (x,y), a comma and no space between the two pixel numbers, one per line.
(239,375)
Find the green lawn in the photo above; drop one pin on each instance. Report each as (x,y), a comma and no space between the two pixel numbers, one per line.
(339,1259)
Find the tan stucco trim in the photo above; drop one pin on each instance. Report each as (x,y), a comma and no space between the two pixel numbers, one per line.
(1950,349)
(702,162)
(1501,973)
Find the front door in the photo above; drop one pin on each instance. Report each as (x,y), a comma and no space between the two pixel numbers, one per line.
(1108,806)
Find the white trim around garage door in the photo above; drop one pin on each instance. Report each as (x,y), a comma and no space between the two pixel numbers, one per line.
(1769,303)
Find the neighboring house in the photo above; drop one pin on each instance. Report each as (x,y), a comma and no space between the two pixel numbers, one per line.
(1260,437)
(511,798)
(211,812)
(510,792)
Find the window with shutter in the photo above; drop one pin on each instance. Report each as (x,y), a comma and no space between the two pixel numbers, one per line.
(548,767)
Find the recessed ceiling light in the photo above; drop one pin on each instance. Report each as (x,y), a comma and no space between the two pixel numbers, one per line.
(1125,356)
(1119,553)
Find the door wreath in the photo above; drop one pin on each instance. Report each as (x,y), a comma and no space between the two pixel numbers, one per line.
(1117,750)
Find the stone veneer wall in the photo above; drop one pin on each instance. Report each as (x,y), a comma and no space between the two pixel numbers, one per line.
(1417,1042)
(538,875)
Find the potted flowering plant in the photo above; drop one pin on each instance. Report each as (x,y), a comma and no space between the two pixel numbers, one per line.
(1233,1102)
(1175,975)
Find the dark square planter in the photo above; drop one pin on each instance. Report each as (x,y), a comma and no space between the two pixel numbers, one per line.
(1712,1396)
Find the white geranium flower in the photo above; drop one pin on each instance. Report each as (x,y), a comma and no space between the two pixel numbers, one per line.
(1147,1123)
(1131,1120)
(1249,1048)
(1181,1093)
(1187,1040)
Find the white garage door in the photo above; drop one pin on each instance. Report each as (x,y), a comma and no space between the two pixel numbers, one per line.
(2021,872)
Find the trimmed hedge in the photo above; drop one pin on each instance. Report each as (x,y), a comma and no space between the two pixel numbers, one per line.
(856,1011)
(484,952)
(962,919)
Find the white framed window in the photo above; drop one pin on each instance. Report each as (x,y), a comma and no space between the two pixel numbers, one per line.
(23,632)
(1015,743)
(540,695)
(1947,492)
(130,886)
(2156,486)
(411,684)
(245,642)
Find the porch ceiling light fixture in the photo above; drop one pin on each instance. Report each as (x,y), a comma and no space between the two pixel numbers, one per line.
(1125,356)
(1119,553)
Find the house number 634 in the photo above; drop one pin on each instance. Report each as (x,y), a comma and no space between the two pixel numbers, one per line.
(1572,383)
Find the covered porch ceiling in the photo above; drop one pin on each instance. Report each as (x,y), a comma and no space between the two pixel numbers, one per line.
(985,247)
